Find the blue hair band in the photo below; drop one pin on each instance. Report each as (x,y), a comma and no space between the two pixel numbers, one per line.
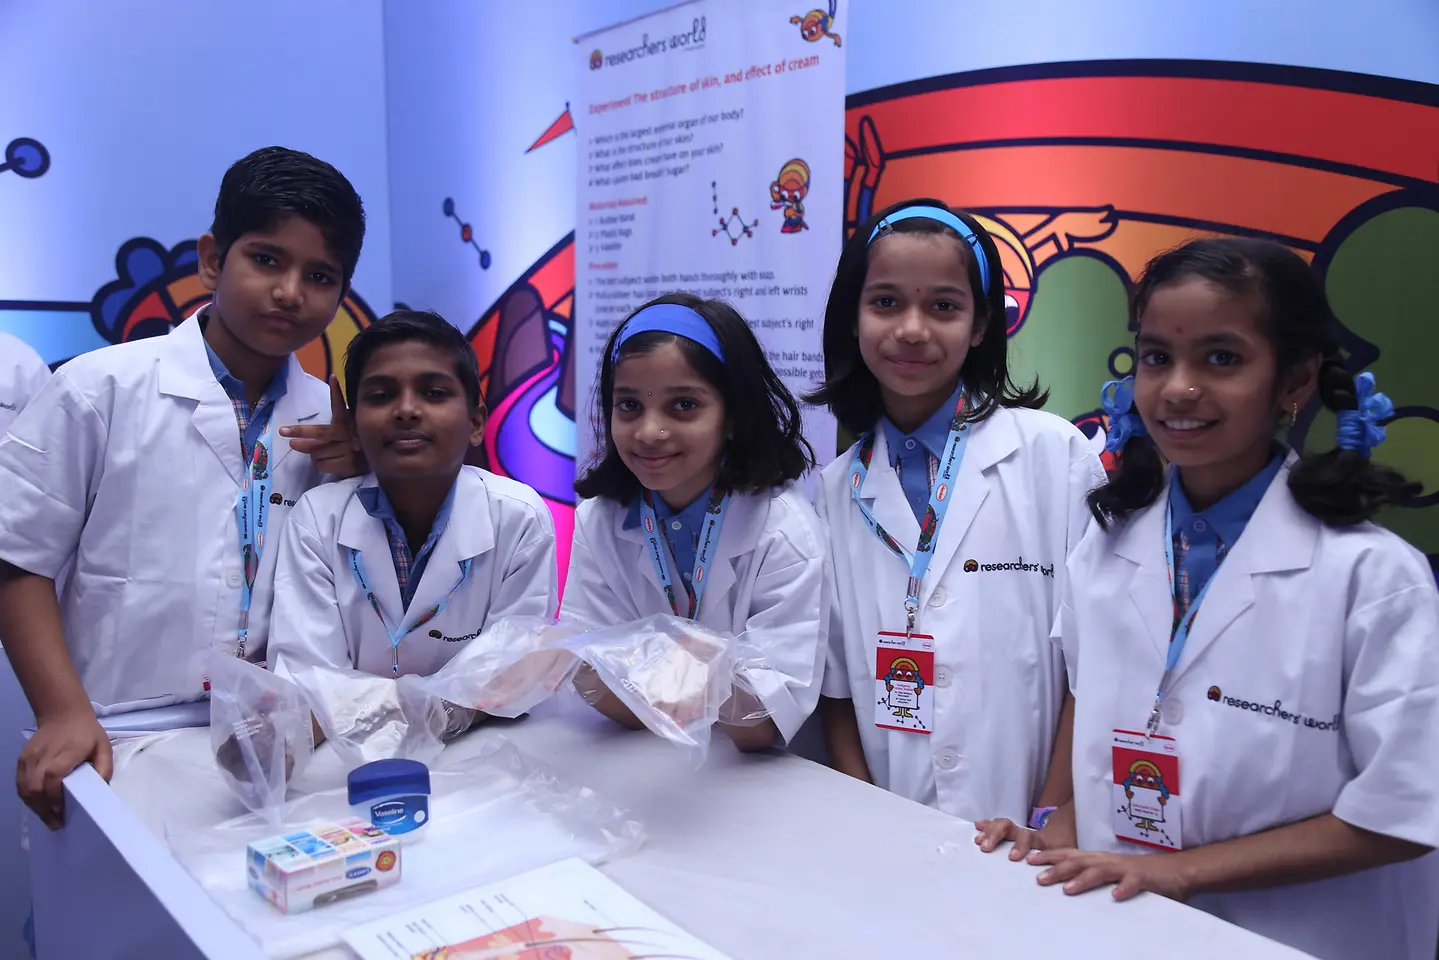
(938,215)
(1359,430)
(670,318)
(1117,398)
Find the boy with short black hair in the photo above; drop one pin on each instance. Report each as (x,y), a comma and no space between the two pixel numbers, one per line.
(158,465)
(392,573)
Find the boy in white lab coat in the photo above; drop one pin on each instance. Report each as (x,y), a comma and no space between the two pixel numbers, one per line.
(22,374)
(392,573)
(157,466)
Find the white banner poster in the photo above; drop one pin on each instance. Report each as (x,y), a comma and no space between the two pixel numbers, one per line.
(711,161)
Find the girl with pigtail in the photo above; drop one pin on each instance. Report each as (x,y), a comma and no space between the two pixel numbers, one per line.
(1254,663)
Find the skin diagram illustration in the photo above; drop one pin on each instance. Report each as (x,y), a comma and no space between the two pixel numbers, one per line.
(1079,196)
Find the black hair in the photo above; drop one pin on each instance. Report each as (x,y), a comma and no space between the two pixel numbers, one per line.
(766,447)
(851,391)
(404,326)
(272,183)
(1340,487)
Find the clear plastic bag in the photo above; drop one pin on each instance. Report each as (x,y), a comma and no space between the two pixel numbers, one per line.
(672,674)
(260,732)
(494,814)
(370,718)
(511,667)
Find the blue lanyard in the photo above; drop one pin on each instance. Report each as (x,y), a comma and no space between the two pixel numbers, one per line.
(940,489)
(357,566)
(1180,634)
(709,541)
(251,511)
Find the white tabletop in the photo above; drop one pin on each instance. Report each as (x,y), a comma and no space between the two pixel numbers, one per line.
(771,856)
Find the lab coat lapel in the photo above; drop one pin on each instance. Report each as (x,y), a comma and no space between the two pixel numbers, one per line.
(185,372)
(469,534)
(1141,542)
(743,521)
(990,441)
(302,403)
(636,554)
(1279,537)
(362,532)
(883,496)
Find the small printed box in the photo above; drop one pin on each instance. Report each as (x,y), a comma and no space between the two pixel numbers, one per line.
(327,862)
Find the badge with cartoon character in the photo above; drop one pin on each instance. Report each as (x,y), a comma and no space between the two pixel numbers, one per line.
(904,682)
(1146,790)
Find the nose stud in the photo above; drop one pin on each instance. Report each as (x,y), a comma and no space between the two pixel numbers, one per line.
(1193,391)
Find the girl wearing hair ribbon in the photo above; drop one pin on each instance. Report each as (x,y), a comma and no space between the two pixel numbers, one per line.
(1238,620)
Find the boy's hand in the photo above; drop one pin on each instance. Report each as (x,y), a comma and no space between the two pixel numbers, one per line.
(328,444)
(57,748)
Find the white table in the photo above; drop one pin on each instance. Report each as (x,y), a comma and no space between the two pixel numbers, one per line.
(771,856)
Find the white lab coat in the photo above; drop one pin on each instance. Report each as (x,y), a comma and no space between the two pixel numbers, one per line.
(129,460)
(322,618)
(999,682)
(1303,619)
(768,582)
(22,374)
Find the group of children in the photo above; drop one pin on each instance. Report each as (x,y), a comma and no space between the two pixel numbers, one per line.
(984,621)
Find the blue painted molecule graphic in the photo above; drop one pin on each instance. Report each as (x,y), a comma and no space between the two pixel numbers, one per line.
(732,226)
(26,158)
(467,233)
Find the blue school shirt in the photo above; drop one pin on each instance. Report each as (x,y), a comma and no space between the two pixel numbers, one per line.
(409,568)
(909,453)
(252,423)
(1203,537)
(682,531)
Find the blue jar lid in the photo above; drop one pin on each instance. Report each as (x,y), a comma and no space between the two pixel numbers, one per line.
(380,778)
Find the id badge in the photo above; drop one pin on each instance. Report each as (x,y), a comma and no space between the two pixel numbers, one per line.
(1147,803)
(904,682)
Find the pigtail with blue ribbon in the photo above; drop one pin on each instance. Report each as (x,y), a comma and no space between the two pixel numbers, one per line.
(1117,398)
(1360,430)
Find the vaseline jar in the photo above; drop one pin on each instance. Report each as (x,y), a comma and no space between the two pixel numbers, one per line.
(394,795)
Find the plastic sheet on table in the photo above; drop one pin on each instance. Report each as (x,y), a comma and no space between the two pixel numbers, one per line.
(492,815)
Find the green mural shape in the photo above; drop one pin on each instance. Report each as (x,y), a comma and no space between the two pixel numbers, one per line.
(1384,286)
(1078,316)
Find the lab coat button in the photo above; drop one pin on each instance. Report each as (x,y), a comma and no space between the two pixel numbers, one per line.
(941,676)
(946,760)
(1172,712)
(937,598)
(233,579)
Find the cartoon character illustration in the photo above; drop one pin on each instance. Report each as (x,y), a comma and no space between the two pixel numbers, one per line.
(817,23)
(903,684)
(1147,794)
(787,193)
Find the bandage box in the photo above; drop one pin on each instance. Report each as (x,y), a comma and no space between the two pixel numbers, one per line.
(324,863)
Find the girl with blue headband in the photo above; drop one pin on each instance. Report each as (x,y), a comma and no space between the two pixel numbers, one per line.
(949,523)
(1253,661)
(689,510)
